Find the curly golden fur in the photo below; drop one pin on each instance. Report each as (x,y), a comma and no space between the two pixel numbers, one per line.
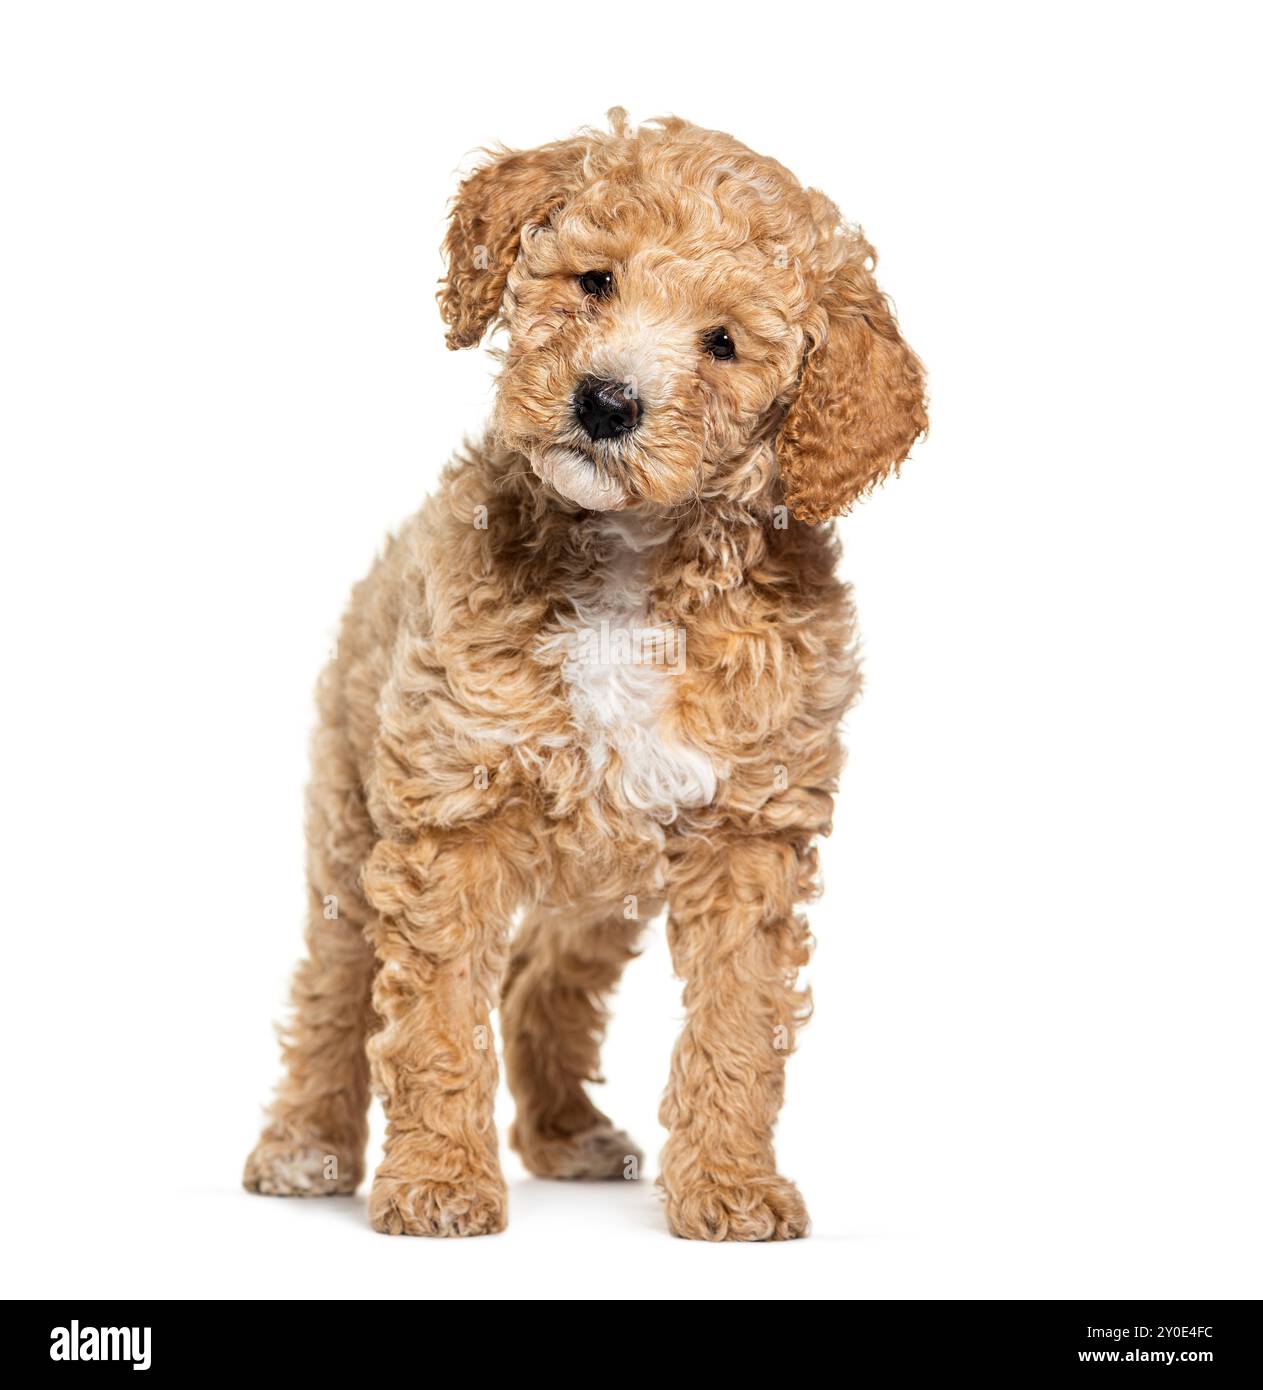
(503,741)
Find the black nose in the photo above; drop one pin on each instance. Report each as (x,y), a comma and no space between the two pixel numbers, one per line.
(606,409)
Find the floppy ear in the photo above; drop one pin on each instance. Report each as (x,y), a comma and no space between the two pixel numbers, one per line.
(492,205)
(860,404)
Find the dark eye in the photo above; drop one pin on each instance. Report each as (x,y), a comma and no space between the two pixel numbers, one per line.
(719,344)
(598,283)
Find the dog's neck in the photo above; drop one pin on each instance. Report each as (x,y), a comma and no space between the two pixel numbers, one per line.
(686,553)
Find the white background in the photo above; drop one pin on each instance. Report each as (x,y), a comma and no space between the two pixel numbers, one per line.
(1034,1069)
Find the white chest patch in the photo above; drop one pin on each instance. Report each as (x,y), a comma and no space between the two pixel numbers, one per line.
(618,670)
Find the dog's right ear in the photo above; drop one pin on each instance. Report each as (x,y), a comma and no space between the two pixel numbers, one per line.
(513,189)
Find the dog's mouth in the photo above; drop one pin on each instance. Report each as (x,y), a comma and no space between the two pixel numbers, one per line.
(579,477)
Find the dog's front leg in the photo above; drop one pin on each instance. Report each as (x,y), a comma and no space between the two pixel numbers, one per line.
(737,944)
(444,902)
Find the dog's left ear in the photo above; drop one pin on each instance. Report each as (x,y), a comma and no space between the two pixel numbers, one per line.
(491,207)
(860,403)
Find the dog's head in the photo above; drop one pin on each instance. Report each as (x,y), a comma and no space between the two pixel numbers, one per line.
(685,320)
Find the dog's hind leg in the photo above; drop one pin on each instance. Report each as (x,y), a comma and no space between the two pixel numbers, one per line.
(563,965)
(313,1142)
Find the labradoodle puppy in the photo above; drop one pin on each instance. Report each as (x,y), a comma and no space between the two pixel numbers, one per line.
(601,672)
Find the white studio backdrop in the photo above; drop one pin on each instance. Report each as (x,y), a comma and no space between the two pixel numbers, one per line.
(1034,1067)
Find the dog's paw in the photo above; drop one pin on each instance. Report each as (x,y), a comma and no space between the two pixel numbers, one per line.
(399,1207)
(598,1154)
(767,1208)
(291,1168)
